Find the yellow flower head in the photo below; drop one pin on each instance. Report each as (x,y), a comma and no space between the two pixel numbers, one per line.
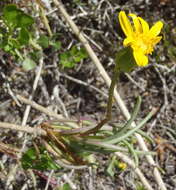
(122,165)
(141,39)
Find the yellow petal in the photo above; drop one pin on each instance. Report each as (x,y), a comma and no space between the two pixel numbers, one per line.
(127,41)
(140,58)
(156,29)
(144,24)
(156,40)
(137,24)
(125,24)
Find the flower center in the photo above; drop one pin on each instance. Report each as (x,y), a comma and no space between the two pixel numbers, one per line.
(144,43)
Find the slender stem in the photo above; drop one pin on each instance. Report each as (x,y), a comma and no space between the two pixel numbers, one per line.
(109,104)
(111,92)
(44,18)
(45,21)
(35,45)
(19,54)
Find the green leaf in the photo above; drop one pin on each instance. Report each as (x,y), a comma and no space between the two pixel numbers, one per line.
(73,50)
(84,149)
(125,60)
(28,64)
(66,186)
(35,55)
(124,129)
(132,151)
(113,139)
(24,20)
(66,60)
(10,13)
(73,56)
(67,64)
(23,37)
(140,186)
(14,17)
(38,160)
(8,8)
(7,48)
(83,53)
(14,43)
(78,54)
(112,165)
(28,158)
(43,41)
(3,32)
(56,45)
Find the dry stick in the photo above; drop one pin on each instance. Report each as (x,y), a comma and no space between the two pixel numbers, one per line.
(40,108)
(25,117)
(34,181)
(68,180)
(49,178)
(71,123)
(24,128)
(26,113)
(75,129)
(106,78)
(84,84)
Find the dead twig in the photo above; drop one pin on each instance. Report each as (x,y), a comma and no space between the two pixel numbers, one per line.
(22,128)
(84,84)
(25,118)
(61,119)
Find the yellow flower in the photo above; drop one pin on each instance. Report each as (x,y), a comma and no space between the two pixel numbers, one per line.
(140,37)
(122,165)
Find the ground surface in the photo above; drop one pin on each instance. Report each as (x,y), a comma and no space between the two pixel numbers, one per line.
(58,90)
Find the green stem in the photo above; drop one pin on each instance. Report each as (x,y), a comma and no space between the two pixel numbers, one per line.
(45,21)
(35,45)
(19,54)
(109,104)
(111,92)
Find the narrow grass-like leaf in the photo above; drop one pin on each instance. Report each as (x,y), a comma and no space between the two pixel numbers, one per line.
(142,133)
(111,167)
(84,149)
(130,132)
(132,151)
(107,147)
(128,124)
